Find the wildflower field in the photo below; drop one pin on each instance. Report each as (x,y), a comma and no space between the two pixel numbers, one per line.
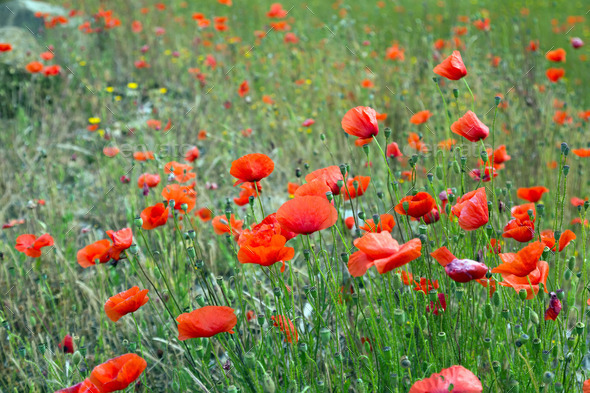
(306,196)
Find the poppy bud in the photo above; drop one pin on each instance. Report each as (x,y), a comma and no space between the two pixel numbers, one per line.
(459,292)
(566,170)
(184,207)
(330,196)
(586,205)
(250,360)
(488,311)
(506,314)
(22,351)
(558,387)
(422,229)
(484,156)
(429,176)
(560,294)
(489,230)
(323,137)
(387,132)
(200,299)
(343,169)
(456,167)
(442,337)
(268,384)
(397,282)
(439,172)
(533,317)
(580,328)
(83,350)
(541,210)
(399,316)
(340,183)
(435,79)
(366,149)
(405,362)
(41,347)
(138,221)
(191,253)
(232,389)
(325,335)
(456,93)
(306,255)
(567,274)
(199,264)
(432,295)
(564,148)
(134,250)
(546,252)
(171,203)
(522,294)
(260,318)
(497,100)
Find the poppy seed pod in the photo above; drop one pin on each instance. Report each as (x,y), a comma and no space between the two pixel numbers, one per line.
(566,170)
(580,328)
(487,342)
(456,93)
(405,362)
(442,337)
(268,384)
(325,335)
(399,316)
(564,149)
(387,132)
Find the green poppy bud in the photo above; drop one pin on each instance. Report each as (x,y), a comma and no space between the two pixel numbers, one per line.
(138,222)
(387,132)
(439,172)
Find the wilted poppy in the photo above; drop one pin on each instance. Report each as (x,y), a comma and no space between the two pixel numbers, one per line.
(330,175)
(118,373)
(125,302)
(452,67)
(522,263)
(93,253)
(472,210)
(416,205)
(557,55)
(382,251)
(251,168)
(181,195)
(531,194)
(287,327)
(385,223)
(31,246)
(307,214)
(83,387)
(206,321)
(520,230)
(460,270)
(554,308)
(361,122)
(458,377)
(470,127)
(122,240)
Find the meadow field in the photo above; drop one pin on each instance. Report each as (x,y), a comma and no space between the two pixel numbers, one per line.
(305,196)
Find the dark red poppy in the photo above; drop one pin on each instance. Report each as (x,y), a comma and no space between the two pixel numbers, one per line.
(472,210)
(470,127)
(361,122)
(382,251)
(125,302)
(31,246)
(521,231)
(118,373)
(93,253)
(251,168)
(521,263)
(331,175)
(154,216)
(554,308)
(67,344)
(531,194)
(457,378)
(206,322)
(460,270)
(417,205)
(452,67)
(307,214)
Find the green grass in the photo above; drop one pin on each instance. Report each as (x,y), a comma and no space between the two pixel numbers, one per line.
(47,153)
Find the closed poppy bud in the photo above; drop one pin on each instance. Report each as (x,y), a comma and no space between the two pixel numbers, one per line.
(344,257)
(399,316)
(484,155)
(560,294)
(76,358)
(488,311)
(387,132)
(232,389)
(397,282)
(533,317)
(456,93)
(323,137)
(191,252)
(268,384)
(567,275)
(138,221)
(439,172)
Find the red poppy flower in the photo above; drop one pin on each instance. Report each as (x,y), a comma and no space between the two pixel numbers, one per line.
(67,344)
(350,191)
(307,214)
(555,74)
(420,117)
(287,327)
(276,11)
(244,88)
(34,67)
(83,387)
(499,156)
(118,373)
(425,285)
(251,168)
(554,308)
(97,251)
(192,154)
(264,244)
(31,246)
(385,224)
(472,210)
(557,55)
(308,122)
(206,322)
(221,226)
(316,187)
(521,231)
(531,194)
(330,175)
(417,205)
(460,270)
(182,172)
(529,283)
(181,195)
(470,127)
(122,240)
(125,302)
(522,263)
(204,213)
(548,238)
(452,67)
(5,47)
(461,379)
(110,151)
(154,216)
(415,142)
(393,150)
(149,180)
(349,222)
(522,212)
(432,217)
(382,251)
(361,122)
(581,152)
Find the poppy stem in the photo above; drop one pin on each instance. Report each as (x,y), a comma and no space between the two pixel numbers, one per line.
(472,96)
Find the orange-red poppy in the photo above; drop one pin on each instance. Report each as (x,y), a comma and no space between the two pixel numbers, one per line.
(350,191)
(204,213)
(499,156)
(460,270)
(472,210)
(5,47)
(222,226)
(330,175)
(522,263)
(531,194)
(286,326)
(393,150)
(385,224)
(382,251)
(83,387)
(148,180)
(394,52)
(555,74)
(529,283)
(581,152)
(548,238)
(143,155)
(244,89)
(452,379)
(519,230)
(125,303)
(118,373)
(420,117)
(361,122)
(416,205)
(317,187)
(251,168)
(34,67)
(154,216)
(470,127)
(277,11)
(181,195)
(452,67)
(248,190)
(307,214)
(110,151)
(522,212)
(93,253)
(415,142)
(182,172)
(557,55)
(206,322)
(192,154)
(122,240)
(31,246)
